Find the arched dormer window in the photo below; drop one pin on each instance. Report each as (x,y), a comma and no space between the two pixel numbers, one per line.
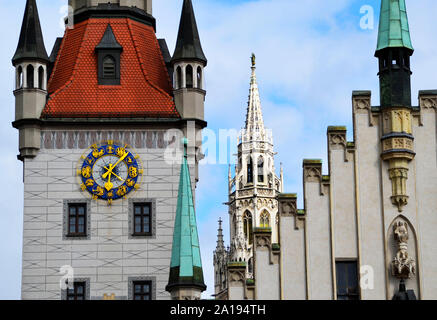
(30,76)
(265,219)
(189,76)
(248,226)
(41,78)
(108,56)
(199,77)
(261,169)
(249,170)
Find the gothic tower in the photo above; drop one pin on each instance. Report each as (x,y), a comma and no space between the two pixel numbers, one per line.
(253,190)
(393,52)
(95,121)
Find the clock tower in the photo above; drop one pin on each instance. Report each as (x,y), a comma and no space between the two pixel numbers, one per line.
(97,119)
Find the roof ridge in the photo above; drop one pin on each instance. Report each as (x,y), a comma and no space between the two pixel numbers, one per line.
(141,61)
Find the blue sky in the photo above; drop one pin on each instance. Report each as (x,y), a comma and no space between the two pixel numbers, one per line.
(310,56)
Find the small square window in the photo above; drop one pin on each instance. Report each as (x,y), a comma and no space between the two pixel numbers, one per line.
(142,290)
(78,292)
(77,220)
(142,222)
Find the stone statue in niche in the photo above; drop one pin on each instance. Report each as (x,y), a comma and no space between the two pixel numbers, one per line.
(403,267)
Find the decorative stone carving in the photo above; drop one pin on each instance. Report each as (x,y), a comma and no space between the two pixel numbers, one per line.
(237,276)
(398,150)
(398,143)
(397,121)
(263,241)
(428,102)
(399,177)
(287,208)
(362,104)
(403,267)
(312,174)
(337,139)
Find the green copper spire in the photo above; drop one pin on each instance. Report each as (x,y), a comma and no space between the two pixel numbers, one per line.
(394,31)
(186,264)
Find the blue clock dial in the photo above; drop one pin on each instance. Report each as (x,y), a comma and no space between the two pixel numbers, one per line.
(110,172)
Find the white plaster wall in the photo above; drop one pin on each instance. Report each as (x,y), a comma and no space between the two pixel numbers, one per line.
(109,257)
(318,243)
(343,197)
(266,277)
(369,182)
(293,260)
(426,204)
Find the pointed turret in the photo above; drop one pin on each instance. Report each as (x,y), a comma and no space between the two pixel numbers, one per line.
(186,273)
(188,45)
(188,64)
(394,51)
(31,43)
(31,64)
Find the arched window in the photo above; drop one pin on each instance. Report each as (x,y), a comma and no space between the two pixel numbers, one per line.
(260,169)
(178,78)
(30,76)
(248,226)
(109,67)
(265,219)
(19,77)
(189,76)
(41,78)
(250,170)
(199,77)
(250,265)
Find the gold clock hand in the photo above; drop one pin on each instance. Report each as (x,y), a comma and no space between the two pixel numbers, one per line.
(118,177)
(111,167)
(109,185)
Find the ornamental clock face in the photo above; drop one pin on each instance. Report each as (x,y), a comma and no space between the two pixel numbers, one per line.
(109,172)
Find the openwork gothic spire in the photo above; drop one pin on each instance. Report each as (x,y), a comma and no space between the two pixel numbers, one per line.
(254,129)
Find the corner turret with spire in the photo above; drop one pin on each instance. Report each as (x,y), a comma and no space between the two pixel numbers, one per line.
(30,61)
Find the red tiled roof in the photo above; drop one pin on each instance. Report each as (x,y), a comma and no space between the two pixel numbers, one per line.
(144,90)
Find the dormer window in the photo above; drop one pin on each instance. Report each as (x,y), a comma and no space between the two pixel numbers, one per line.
(108,56)
(109,67)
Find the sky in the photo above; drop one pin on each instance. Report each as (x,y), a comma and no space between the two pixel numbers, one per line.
(311,55)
